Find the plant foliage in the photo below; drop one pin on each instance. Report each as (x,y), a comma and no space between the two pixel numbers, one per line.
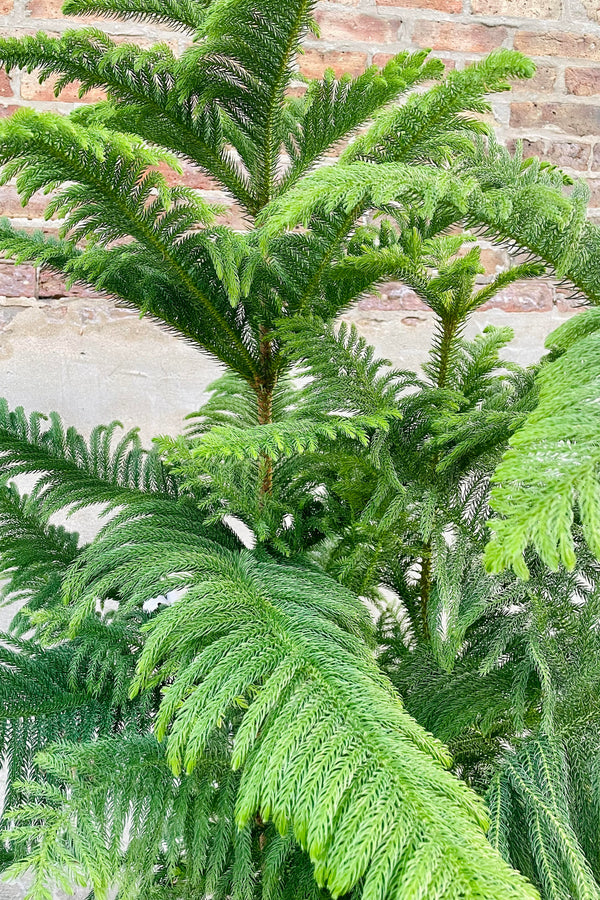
(287,667)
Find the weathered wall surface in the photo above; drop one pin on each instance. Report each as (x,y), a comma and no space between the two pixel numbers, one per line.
(95,363)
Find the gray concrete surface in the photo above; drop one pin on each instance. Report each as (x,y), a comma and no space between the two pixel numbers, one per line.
(93,363)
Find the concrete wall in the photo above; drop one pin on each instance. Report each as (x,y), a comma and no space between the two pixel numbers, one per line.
(94,363)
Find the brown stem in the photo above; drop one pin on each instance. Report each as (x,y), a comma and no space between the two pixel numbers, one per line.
(262,840)
(264,387)
(425,589)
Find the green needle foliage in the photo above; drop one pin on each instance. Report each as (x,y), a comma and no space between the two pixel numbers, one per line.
(286,667)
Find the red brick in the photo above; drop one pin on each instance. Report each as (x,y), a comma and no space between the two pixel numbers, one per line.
(45,9)
(191,177)
(583,82)
(524,9)
(312,63)
(543,80)
(523,296)
(558,43)
(448,6)
(468,38)
(7,110)
(351,26)
(10,204)
(494,260)
(31,89)
(296,90)
(16,281)
(51,286)
(566,154)
(235,218)
(566,302)
(5,85)
(596,157)
(574,118)
(6,7)
(393,296)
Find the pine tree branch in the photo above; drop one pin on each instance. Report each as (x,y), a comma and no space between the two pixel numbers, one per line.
(433,125)
(535,214)
(268,156)
(177,14)
(114,204)
(334,108)
(76,473)
(142,87)
(305,712)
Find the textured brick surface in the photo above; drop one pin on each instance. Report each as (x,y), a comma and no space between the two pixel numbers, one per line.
(567,45)
(342,26)
(447,6)
(5,85)
(527,296)
(575,118)
(51,286)
(451,35)
(313,62)
(16,281)
(31,89)
(45,9)
(566,154)
(10,204)
(528,9)
(584,82)
(544,81)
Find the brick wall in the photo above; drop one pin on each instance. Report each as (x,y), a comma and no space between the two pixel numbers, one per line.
(557,113)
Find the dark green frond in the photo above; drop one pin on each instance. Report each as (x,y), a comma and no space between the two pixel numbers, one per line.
(75,473)
(145,99)
(178,14)
(34,558)
(245,62)
(536,781)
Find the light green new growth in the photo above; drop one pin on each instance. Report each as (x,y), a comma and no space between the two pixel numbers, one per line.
(549,475)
